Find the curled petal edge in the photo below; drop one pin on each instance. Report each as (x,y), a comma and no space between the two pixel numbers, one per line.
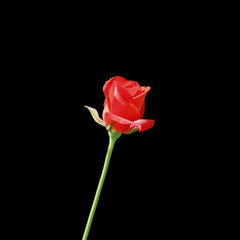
(140,125)
(144,124)
(95,116)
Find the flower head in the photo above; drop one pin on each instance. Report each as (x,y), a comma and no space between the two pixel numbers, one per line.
(124,105)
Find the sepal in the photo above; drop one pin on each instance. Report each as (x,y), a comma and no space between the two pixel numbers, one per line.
(114,135)
(95,116)
(132,131)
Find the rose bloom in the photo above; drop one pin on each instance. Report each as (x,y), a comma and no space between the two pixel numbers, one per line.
(124,105)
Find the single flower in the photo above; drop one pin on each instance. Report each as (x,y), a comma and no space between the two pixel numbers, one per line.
(124,105)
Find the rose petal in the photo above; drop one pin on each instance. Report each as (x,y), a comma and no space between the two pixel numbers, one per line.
(122,104)
(139,101)
(119,124)
(144,124)
(109,87)
(132,87)
(124,126)
(105,110)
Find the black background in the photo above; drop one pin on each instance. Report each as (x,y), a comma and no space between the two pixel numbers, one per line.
(155,179)
(159,181)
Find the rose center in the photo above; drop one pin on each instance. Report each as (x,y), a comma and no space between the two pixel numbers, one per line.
(133,88)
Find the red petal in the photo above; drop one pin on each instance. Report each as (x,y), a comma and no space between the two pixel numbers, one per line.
(132,87)
(123,125)
(109,87)
(119,124)
(122,104)
(139,101)
(144,124)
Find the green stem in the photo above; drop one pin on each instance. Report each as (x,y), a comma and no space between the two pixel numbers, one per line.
(113,136)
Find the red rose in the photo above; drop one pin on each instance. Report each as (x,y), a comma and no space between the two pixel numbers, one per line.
(124,105)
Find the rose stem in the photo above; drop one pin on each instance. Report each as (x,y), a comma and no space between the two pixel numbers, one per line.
(113,136)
